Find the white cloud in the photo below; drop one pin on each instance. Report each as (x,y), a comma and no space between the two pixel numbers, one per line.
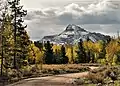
(105,13)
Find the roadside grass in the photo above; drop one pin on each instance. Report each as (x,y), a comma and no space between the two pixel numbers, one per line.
(32,71)
(64,68)
(103,76)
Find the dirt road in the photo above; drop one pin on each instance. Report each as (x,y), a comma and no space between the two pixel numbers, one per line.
(57,80)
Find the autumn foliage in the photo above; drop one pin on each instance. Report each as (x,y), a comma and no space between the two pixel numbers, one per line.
(104,52)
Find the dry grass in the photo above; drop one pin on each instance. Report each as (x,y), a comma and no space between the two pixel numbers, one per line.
(35,71)
(96,77)
(63,68)
(104,75)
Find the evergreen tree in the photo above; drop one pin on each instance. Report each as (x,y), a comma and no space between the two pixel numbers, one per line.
(48,55)
(57,56)
(23,43)
(39,45)
(88,54)
(64,58)
(60,56)
(8,42)
(81,55)
(2,21)
(21,39)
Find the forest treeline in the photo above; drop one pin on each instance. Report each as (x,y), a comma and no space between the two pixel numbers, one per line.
(103,52)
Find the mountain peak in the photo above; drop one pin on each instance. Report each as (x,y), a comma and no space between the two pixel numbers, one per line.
(70,27)
(73,27)
(73,33)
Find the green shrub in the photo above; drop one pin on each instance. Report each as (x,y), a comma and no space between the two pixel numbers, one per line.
(115,58)
(101,61)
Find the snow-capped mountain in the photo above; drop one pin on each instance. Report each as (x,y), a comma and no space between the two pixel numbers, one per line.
(72,34)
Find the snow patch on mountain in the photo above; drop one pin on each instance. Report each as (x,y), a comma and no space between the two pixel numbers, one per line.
(72,34)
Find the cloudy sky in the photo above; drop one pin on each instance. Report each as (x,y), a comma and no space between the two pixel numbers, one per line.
(47,17)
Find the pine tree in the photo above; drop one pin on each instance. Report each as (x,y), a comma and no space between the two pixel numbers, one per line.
(60,56)
(8,42)
(39,45)
(2,42)
(88,54)
(81,55)
(48,55)
(21,39)
(56,51)
(23,42)
(64,58)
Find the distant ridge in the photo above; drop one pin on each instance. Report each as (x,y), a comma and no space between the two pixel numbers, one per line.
(72,34)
